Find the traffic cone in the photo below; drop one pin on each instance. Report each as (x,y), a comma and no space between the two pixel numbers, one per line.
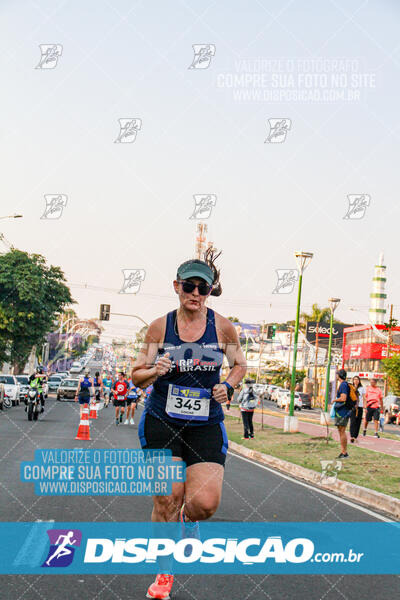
(93,411)
(83,429)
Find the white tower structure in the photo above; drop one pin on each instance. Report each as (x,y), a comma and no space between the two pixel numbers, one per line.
(377,309)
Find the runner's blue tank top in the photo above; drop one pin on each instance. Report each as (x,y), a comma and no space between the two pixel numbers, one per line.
(194,364)
(86,383)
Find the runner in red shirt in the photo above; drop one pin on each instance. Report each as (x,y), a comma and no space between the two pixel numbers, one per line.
(374,403)
(120,391)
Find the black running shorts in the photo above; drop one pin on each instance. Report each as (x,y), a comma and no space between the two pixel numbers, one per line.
(205,443)
(120,403)
(373,413)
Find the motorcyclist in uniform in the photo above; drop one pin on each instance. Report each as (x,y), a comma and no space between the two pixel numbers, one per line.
(36,381)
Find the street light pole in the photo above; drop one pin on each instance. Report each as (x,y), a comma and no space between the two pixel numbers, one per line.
(303,259)
(333,304)
(12,217)
(296,337)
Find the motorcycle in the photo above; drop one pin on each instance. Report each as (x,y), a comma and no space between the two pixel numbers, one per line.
(33,407)
(7,402)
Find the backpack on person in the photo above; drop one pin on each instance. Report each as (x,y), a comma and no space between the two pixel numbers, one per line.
(251,399)
(352,397)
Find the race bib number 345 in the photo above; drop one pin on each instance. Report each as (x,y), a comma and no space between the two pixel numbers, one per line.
(188,403)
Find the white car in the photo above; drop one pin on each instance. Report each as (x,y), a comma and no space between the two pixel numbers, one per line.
(11,387)
(269,390)
(76,367)
(258,388)
(275,393)
(284,400)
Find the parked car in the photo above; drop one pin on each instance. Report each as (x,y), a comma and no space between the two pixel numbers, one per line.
(275,394)
(391,408)
(67,389)
(11,387)
(284,400)
(305,399)
(268,392)
(54,382)
(64,374)
(76,367)
(23,381)
(258,388)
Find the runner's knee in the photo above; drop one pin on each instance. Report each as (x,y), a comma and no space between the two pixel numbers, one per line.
(168,507)
(202,508)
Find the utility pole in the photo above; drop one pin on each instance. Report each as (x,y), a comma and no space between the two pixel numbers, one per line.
(290,346)
(389,344)
(258,372)
(261,351)
(316,366)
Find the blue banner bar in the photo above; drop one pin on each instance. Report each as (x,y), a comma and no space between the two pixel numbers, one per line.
(211,548)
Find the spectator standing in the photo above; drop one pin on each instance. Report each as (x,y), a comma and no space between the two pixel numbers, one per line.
(247,402)
(342,409)
(374,406)
(357,412)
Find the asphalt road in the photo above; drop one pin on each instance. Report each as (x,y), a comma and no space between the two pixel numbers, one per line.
(250,493)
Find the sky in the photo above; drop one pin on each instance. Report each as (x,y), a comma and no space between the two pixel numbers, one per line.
(334,69)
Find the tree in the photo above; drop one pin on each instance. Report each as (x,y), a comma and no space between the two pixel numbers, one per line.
(234,319)
(317,314)
(284,375)
(32,295)
(392,369)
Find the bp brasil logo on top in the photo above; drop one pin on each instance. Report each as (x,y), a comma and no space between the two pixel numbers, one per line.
(63,543)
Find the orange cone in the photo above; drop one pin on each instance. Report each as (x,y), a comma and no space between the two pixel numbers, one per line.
(83,429)
(93,411)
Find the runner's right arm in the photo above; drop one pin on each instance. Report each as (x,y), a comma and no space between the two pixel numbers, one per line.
(145,371)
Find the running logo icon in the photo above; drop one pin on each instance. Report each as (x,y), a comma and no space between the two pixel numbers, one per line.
(128,129)
(63,543)
(278,129)
(203,205)
(50,54)
(203,54)
(55,204)
(286,281)
(132,280)
(358,204)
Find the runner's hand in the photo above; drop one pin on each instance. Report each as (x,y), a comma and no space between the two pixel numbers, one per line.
(163,365)
(220,393)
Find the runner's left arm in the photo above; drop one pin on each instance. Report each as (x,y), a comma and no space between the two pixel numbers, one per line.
(229,341)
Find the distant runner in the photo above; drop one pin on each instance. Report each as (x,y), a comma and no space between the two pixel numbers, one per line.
(120,389)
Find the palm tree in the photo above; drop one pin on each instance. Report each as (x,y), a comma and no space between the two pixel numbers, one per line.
(317,314)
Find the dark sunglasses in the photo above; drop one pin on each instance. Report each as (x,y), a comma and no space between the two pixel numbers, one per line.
(188,287)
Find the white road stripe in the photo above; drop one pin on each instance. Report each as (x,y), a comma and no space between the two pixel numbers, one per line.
(311,487)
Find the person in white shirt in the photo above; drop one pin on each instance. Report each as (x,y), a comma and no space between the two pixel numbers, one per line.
(357,412)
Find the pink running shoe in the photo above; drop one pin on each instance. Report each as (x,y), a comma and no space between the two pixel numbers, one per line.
(161,588)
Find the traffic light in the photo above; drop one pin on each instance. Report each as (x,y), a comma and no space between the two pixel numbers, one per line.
(105,312)
(271,330)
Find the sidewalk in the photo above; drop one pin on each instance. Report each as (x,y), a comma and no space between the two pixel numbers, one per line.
(391,447)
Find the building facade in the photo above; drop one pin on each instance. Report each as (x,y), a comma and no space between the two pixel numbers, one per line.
(364,349)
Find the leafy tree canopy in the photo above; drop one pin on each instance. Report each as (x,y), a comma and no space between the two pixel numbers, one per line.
(32,296)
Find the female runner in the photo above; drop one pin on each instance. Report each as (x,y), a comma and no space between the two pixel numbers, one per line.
(182,357)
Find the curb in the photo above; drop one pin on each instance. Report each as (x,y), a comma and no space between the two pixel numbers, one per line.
(351,491)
